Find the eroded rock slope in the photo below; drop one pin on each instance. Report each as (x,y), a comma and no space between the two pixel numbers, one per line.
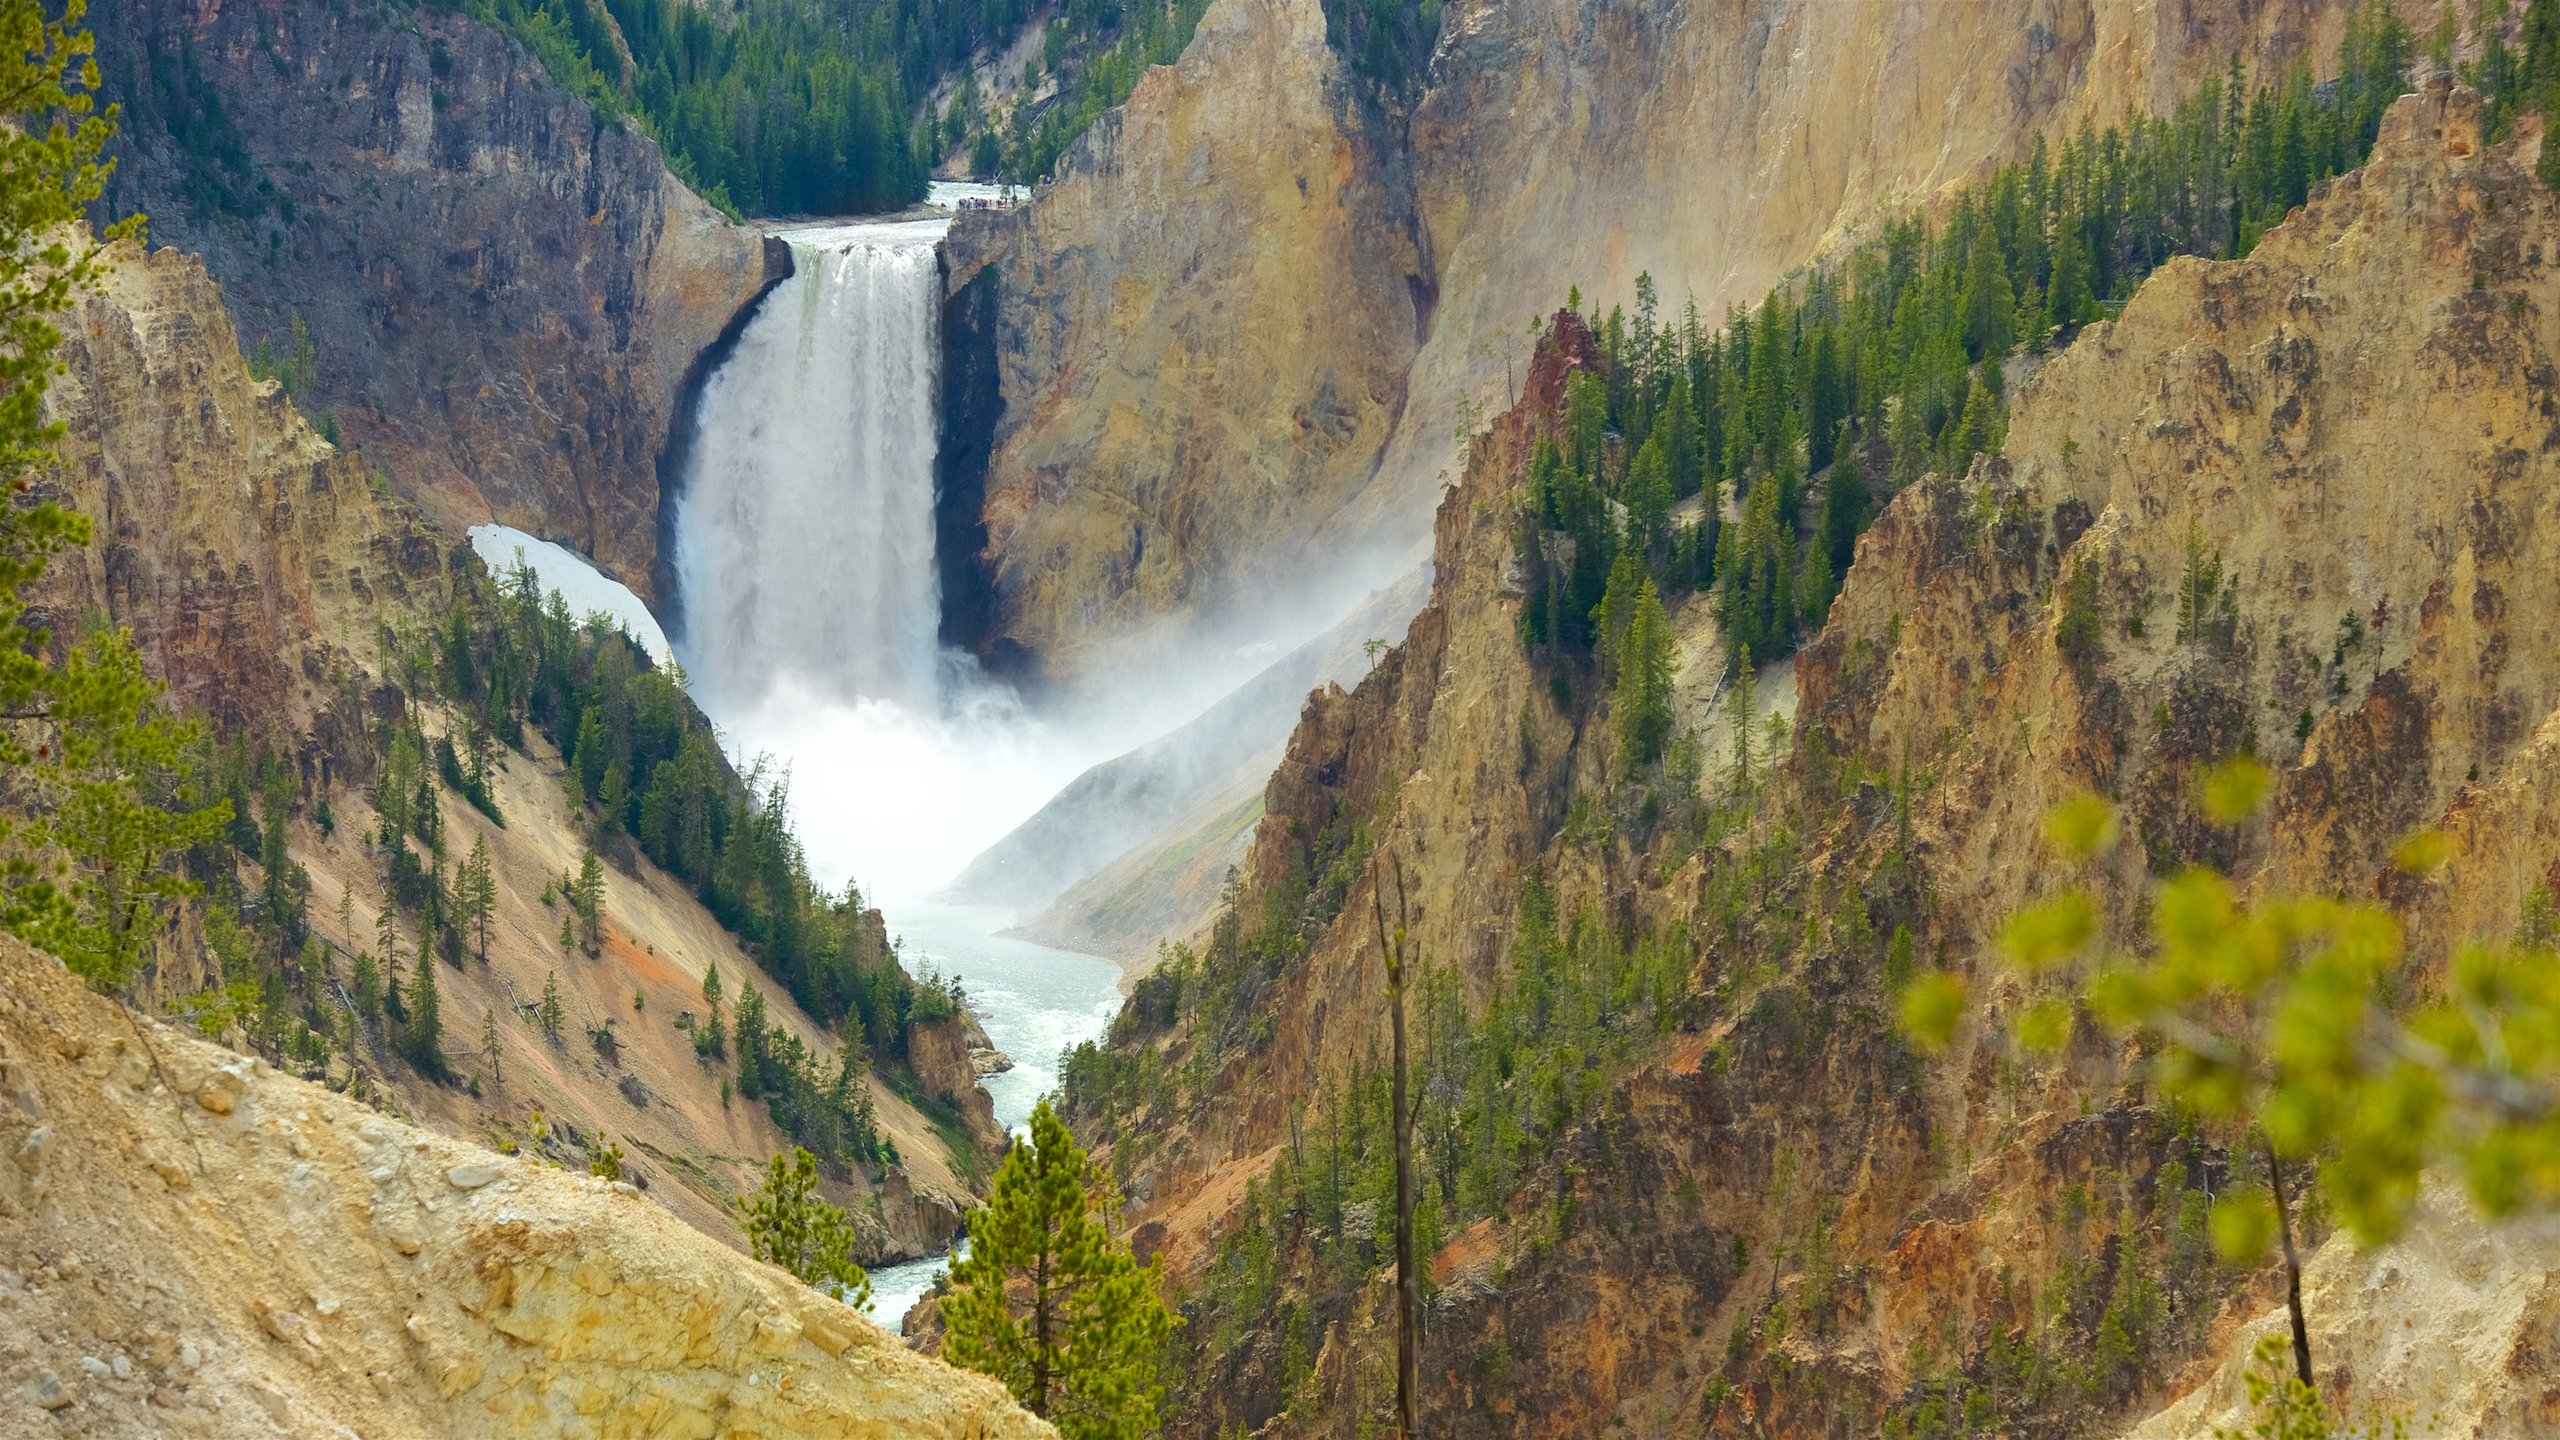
(1236,335)
(192,1244)
(504,292)
(1770,1216)
(259,568)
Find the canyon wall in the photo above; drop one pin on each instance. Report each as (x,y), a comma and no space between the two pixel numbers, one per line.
(259,568)
(1774,1216)
(1239,329)
(191,1243)
(504,292)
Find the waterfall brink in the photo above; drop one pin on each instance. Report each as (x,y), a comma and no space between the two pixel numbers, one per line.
(805,537)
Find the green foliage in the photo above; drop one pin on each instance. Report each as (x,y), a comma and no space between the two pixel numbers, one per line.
(1646,666)
(833,1116)
(807,106)
(1885,364)
(422,1034)
(1050,1303)
(102,771)
(2295,1016)
(592,692)
(2287,1409)
(605,1163)
(586,900)
(1386,43)
(788,1223)
(1144,33)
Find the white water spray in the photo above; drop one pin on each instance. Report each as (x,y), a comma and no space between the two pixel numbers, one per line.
(805,548)
(805,539)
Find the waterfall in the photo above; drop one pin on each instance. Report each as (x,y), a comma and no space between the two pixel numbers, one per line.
(804,545)
(805,531)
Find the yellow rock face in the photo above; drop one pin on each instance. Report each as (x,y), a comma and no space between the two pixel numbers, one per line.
(299,1264)
(1239,332)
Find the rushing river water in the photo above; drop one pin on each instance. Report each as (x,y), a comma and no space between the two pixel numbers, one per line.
(1034,1001)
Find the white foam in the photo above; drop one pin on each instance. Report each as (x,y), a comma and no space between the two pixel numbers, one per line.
(582,586)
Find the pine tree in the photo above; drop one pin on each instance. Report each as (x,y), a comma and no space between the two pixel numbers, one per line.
(751,1042)
(588,899)
(587,758)
(1737,711)
(552,1016)
(1648,495)
(605,1160)
(1049,1303)
(789,1224)
(423,1037)
(711,1037)
(1617,608)
(1646,667)
(87,871)
(479,896)
(489,1046)
(395,998)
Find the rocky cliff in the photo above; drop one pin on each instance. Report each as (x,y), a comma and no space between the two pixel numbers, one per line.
(1237,332)
(1749,1208)
(252,559)
(260,568)
(504,292)
(193,1244)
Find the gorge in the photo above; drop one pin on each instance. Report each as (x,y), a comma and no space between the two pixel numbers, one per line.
(1574,571)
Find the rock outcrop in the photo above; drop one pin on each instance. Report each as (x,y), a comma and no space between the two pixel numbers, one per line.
(505,293)
(252,559)
(1237,332)
(1776,1218)
(1223,273)
(191,1244)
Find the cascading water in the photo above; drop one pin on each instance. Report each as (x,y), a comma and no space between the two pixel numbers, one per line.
(804,546)
(806,535)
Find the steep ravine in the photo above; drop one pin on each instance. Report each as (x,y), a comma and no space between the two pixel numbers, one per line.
(1778,1219)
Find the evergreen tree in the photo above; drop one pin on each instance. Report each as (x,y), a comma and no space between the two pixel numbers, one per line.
(366,980)
(1737,713)
(1049,1303)
(479,896)
(95,762)
(1617,609)
(587,898)
(1648,497)
(711,1036)
(489,1055)
(1646,666)
(751,1038)
(422,1038)
(588,758)
(789,1224)
(553,1019)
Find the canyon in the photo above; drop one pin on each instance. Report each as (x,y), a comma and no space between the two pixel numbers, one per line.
(1141,565)
(1166,453)
(1778,1218)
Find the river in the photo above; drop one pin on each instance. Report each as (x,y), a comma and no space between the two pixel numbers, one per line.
(1035,1002)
